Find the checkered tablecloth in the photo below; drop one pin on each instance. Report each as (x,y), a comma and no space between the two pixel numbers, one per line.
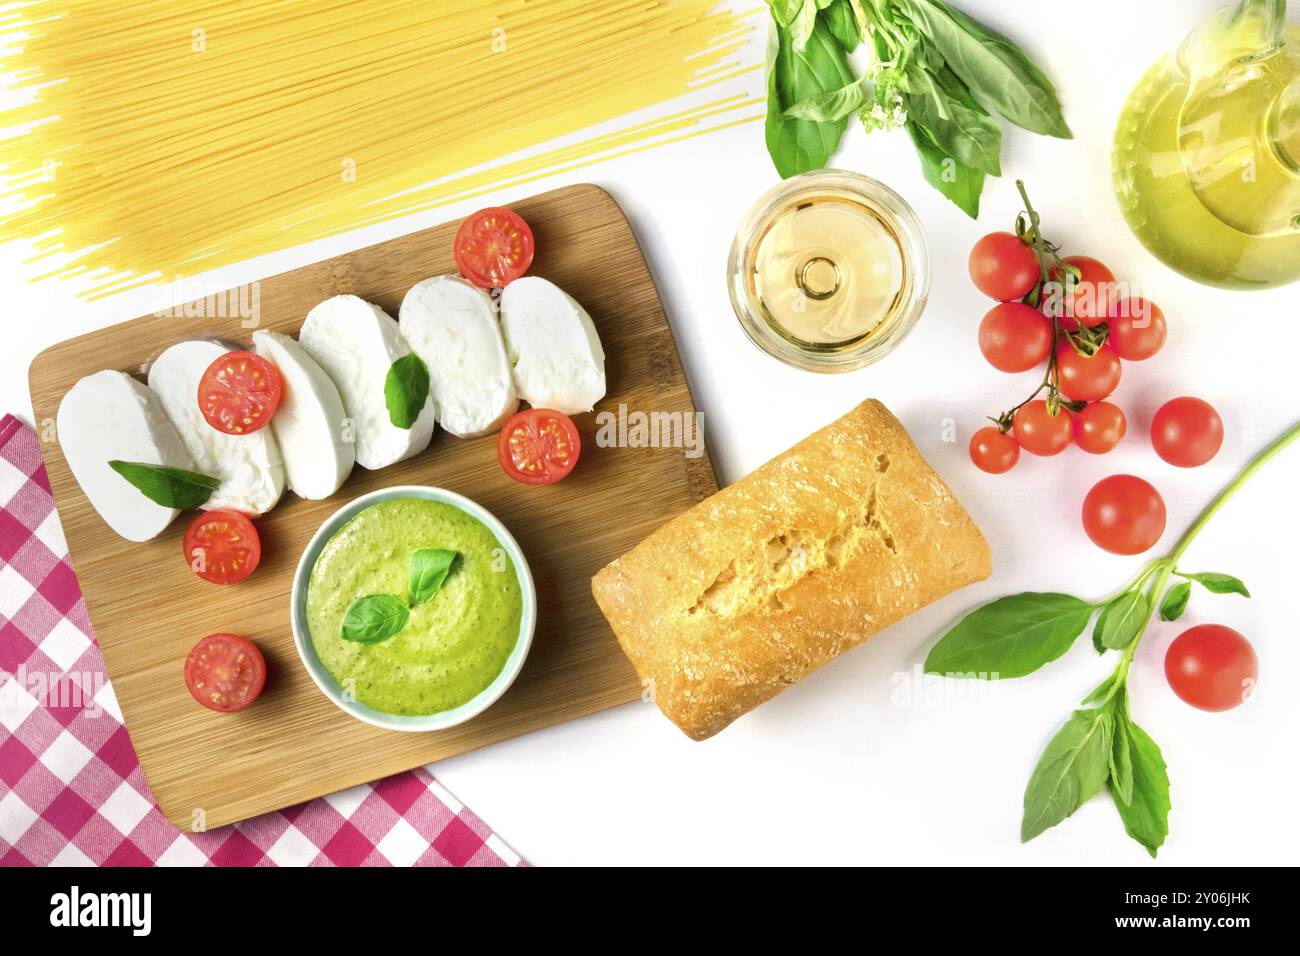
(71,789)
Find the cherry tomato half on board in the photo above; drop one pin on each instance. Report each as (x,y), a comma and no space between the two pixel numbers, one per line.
(1123,514)
(225,672)
(538,446)
(1211,667)
(222,547)
(240,392)
(493,247)
(1003,267)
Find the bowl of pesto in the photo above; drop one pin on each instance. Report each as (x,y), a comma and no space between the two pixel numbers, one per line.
(413,608)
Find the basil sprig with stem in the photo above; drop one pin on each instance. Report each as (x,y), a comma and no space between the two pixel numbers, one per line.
(377,617)
(1100,745)
(936,72)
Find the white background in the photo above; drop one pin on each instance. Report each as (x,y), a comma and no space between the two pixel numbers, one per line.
(838,769)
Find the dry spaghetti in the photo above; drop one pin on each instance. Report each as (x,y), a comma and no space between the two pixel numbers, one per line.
(158,137)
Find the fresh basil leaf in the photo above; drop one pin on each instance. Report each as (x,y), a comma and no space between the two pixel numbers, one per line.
(832,106)
(956,123)
(842,22)
(169,487)
(429,569)
(799,145)
(1121,754)
(1217,583)
(1073,769)
(375,618)
(954,179)
(1122,620)
(406,389)
(1146,812)
(1175,602)
(1103,690)
(998,73)
(1011,637)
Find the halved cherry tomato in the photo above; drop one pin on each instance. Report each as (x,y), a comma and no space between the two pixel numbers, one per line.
(1003,267)
(1123,514)
(1138,329)
(240,392)
(1186,432)
(1039,432)
(493,247)
(225,672)
(1090,299)
(1099,427)
(1087,378)
(993,451)
(1211,667)
(538,446)
(222,547)
(1014,337)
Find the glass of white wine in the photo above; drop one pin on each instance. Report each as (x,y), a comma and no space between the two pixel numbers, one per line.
(829,271)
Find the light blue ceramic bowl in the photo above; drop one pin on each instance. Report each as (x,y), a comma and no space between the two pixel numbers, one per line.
(327,682)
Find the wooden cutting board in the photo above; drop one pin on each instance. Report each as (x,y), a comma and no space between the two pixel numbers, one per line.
(209,769)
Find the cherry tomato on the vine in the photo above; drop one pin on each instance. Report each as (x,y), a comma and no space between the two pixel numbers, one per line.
(1003,267)
(1099,427)
(1124,514)
(1039,432)
(1137,329)
(1087,378)
(1211,667)
(993,451)
(1089,300)
(1186,432)
(1014,337)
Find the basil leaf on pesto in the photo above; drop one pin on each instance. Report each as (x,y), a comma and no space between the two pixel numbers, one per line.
(169,487)
(375,618)
(406,389)
(429,569)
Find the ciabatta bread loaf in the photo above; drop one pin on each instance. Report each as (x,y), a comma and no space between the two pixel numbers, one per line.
(756,587)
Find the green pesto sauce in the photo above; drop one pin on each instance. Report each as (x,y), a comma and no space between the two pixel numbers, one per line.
(454,645)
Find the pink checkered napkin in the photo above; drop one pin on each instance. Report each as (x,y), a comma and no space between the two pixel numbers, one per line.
(71,789)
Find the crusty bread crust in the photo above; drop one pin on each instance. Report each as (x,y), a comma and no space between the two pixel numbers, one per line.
(762,583)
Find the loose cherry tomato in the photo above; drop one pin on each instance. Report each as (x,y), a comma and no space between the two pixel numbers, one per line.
(1099,427)
(538,446)
(1137,329)
(493,247)
(1211,667)
(1090,299)
(1040,433)
(993,451)
(225,672)
(222,547)
(1014,337)
(239,393)
(1187,432)
(1087,378)
(1124,514)
(1003,267)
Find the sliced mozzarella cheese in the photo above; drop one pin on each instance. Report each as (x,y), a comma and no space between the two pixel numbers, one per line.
(452,325)
(249,466)
(357,343)
(310,424)
(111,416)
(552,343)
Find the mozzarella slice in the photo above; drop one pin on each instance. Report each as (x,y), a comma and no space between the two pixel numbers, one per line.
(249,466)
(552,343)
(452,325)
(310,425)
(108,416)
(356,343)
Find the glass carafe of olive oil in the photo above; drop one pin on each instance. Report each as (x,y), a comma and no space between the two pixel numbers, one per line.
(1207,152)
